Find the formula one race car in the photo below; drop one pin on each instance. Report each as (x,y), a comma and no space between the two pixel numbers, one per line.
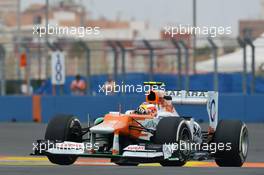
(152,133)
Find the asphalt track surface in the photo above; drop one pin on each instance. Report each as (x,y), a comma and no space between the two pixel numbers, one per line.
(16,144)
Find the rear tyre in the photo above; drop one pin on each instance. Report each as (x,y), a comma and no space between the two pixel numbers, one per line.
(171,130)
(234,133)
(63,128)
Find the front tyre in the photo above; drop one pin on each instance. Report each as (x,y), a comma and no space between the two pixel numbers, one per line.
(172,130)
(235,133)
(63,128)
(173,163)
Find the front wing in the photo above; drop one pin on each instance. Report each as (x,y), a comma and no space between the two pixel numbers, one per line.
(141,151)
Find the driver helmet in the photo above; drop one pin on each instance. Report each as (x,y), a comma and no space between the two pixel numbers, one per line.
(146,108)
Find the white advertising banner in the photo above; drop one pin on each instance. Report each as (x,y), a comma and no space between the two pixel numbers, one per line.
(57,68)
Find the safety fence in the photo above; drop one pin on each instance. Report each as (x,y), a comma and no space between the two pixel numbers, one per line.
(29,62)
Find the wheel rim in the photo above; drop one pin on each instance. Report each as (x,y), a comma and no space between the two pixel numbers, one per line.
(74,131)
(244,142)
(185,138)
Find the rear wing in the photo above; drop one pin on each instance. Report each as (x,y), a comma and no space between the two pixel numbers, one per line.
(209,98)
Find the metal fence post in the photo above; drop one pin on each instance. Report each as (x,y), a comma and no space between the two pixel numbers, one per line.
(214,53)
(244,79)
(253,71)
(123,56)
(88,66)
(151,58)
(187,77)
(48,46)
(2,70)
(52,47)
(113,47)
(178,57)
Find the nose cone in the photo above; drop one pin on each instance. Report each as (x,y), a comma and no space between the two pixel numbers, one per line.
(112,123)
(102,129)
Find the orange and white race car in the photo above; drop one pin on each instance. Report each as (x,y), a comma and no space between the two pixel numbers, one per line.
(154,132)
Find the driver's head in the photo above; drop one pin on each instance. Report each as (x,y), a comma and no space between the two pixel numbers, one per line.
(151,108)
(142,109)
(146,108)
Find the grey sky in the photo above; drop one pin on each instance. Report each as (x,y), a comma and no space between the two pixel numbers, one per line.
(162,12)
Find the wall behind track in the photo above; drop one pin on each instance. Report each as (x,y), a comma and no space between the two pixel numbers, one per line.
(249,108)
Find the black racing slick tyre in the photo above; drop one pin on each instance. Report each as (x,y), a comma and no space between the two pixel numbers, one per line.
(234,133)
(63,128)
(172,130)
